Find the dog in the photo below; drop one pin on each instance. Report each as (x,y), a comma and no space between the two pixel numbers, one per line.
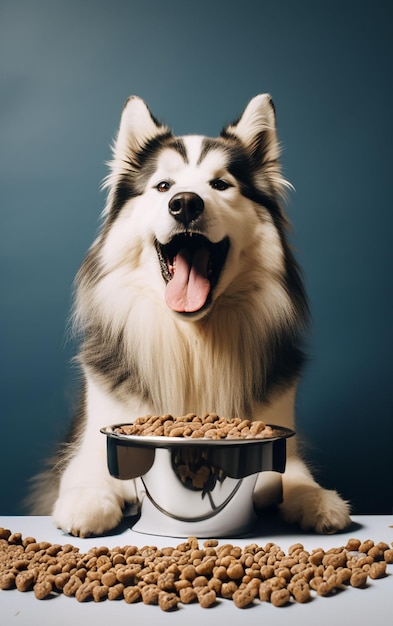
(189,300)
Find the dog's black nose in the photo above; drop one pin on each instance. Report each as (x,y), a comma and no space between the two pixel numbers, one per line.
(186,207)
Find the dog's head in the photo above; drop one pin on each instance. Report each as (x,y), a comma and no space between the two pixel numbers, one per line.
(207,208)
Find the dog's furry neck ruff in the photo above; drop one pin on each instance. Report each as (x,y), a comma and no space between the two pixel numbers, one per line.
(223,362)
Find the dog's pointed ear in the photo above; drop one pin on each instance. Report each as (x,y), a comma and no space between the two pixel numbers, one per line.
(137,127)
(256,129)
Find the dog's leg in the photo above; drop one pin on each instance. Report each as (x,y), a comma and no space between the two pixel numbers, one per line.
(303,501)
(90,501)
(310,505)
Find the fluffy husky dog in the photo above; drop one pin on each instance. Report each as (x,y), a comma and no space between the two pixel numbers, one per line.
(189,300)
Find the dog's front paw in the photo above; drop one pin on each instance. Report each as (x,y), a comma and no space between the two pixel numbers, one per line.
(83,511)
(315,508)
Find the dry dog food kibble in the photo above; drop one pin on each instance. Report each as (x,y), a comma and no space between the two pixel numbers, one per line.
(208,426)
(189,572)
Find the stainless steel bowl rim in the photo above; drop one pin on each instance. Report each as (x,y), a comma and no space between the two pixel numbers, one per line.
(161,441)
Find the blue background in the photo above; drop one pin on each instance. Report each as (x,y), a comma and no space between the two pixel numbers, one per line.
(67,68)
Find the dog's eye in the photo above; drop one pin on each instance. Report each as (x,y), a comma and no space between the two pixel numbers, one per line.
(219,184)
(163,185)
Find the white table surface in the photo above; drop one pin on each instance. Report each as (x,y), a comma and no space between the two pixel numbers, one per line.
(351,606)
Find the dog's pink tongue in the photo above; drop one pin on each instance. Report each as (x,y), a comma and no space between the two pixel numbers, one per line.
(189,287)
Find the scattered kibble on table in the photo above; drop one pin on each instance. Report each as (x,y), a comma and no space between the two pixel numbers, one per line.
(188,572)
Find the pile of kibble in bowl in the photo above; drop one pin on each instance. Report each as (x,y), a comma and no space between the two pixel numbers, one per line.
(208,426)
(189,572)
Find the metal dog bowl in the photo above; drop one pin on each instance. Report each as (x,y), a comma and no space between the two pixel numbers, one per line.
(200,487)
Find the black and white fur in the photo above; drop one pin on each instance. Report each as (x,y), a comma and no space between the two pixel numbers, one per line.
(236,350)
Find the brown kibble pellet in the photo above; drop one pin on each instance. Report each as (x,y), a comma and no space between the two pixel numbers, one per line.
(388,556)
(166,581)
(267,571)
(336,560)
(301,592)
(376,553)
(85,591)
(326,587)
(119,559)
(116,592)
(127,575)
(167,601)
(315,582)
(43,589)
(71,587)
(283,572)
(225,550)
(67,548)
(344,575)
(54,549)
(81,573)
(200,581)
(54,569)
(61,580)
(364,560)
(225,561)
(228,589)
(182,583)
(206,597)
(188,595)
(247,560)
(280,597)
(132,594)
(365,546)
(130,551)
(353,544)
(253,583)
(21,564)
(316,556)
(196,554)
(307,574)
(265,591)
(100,592)
(277,582)
(27,540)
(244,597)
(206,567)
(295,547)
(215,584)
(7,580)
(235,571)
(358,578)
(377,570)
(25,580)
(177,431)
(150,594)
(290,562)
(5,533)
(109,579)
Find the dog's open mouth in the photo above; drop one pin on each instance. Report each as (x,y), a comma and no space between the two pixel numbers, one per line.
(191,266)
